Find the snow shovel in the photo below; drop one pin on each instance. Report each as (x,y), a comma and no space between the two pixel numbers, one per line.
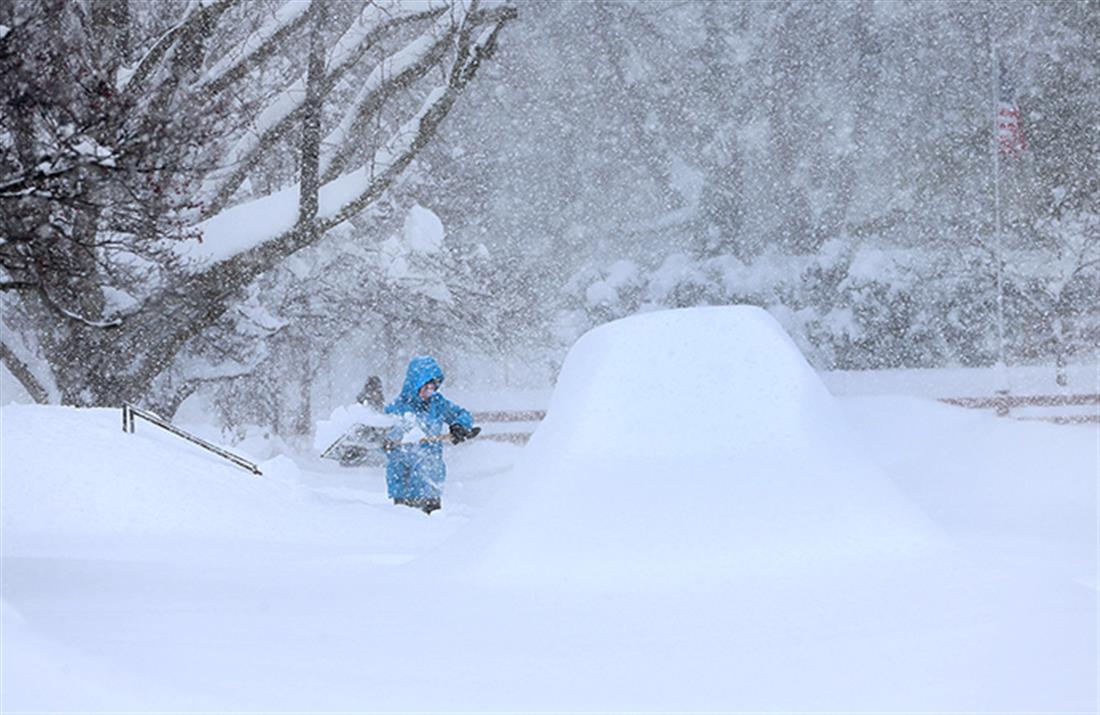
(447,438)
(356,446)
(360,444)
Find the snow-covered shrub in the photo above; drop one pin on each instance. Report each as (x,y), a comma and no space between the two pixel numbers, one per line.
(873,308)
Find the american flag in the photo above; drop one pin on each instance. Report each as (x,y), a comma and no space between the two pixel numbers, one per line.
(1010,135)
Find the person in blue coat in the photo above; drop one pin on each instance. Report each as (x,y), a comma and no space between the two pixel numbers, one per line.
(414,463)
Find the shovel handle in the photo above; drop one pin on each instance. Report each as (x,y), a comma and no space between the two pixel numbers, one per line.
(447,438)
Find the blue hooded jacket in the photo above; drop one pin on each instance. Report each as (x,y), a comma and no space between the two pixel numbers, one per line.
(431,415)
(416,472)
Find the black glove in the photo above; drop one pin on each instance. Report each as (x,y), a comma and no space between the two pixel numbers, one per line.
(461,434)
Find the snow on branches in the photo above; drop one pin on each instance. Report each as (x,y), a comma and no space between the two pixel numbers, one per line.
(120,127)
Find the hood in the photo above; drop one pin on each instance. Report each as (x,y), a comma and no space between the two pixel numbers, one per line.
(422,369)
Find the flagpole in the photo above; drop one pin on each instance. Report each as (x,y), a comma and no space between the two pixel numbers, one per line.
(1001,366)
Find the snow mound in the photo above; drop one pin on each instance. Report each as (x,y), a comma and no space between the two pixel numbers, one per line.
(74,472)
(686,443)
(342,419)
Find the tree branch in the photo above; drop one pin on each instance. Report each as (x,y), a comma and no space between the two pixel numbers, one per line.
(190,25)
(407,142)
(53,305)
(400,71)
(284,112)
(394,74)
(287,20)
(17,285)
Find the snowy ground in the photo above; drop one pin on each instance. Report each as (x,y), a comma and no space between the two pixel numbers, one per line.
(760,546)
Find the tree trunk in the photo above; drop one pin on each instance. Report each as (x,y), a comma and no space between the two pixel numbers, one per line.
(22,372)
(1061,351)
(311,121)
(303,422)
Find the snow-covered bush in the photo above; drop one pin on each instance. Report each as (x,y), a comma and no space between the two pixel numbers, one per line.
(872,308)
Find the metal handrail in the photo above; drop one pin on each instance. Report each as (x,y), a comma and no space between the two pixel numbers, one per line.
(129,411)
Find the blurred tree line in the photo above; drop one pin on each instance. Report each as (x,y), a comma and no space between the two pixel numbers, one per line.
(770,152)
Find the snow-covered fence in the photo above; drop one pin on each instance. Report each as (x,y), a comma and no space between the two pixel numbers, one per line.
(129,412)
(1004,405)
(511,417)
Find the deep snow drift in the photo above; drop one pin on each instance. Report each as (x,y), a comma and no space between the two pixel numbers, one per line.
(73,475)
(752,547)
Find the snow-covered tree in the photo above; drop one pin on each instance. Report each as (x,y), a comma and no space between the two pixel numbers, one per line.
(114,143)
